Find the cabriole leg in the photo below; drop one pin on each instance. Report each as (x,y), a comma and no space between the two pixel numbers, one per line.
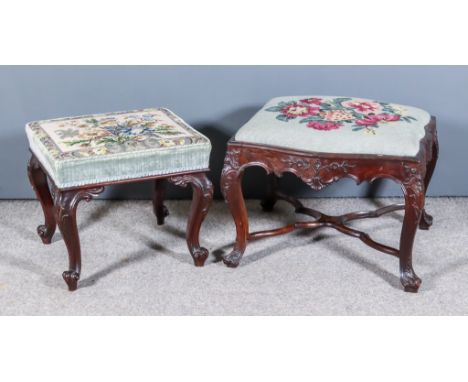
(65,206)
(201,201)
(414,203)
(231,186)
(38,179)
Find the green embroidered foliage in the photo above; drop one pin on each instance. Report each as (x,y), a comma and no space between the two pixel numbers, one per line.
(341,99)
(83,142)
(283,117)
(115,139)
(93,121)
(165,130)
(337,103)
(274,108)
(326,106)
(311,118)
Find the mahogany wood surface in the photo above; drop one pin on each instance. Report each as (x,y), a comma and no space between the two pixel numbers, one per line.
(160,210)
(38,179)
(318,170)
(59,208)
(202,198)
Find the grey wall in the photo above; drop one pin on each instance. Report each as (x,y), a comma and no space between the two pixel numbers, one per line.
(217,100)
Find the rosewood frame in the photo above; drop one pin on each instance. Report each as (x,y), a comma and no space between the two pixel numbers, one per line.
(59,207)
(319,170)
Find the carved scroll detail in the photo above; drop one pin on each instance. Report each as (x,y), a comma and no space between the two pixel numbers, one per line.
(413,183)
(200,182)
(231,160)
(317,173)
(230,169)
(67,201)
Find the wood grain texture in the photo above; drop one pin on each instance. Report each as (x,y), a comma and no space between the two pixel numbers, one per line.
(65,206)
(38,180)
(318,170)
(201,201)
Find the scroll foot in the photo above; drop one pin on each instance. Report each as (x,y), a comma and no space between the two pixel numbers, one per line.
(233,259)
(71,278)
(199,256)
(410,281)
(46,233)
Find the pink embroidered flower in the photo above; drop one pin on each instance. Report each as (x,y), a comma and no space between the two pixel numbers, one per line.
(373,119)
(364,107)
(388,117)
(312,101)
(297,110)
(319,125)
(368,120)
(337,115)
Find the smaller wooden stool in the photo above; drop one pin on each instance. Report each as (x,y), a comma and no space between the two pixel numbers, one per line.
(323,139)
(79,156)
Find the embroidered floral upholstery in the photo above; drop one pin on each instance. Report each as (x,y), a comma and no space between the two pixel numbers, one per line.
(114,146)
(337,125)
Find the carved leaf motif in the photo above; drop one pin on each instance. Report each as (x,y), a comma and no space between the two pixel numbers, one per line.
(317,173)
(180,180)
(414,185)
(200,182)
(66,201)
(230,170)
(231,160)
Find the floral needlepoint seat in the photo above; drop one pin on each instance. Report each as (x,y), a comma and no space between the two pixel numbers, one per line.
(79,156)
(322,139)
(109,147)
(337,125)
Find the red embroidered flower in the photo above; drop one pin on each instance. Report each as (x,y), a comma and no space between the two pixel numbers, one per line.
(297,110)
(388,117)
(373,119)
(312,101)
(364,107)
(368,120)
(319,125)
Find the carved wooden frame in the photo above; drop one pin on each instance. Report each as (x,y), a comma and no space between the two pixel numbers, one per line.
(319,170)
(59,208)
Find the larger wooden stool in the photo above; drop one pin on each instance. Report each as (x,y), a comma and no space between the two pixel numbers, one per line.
(79,156)
(323,139)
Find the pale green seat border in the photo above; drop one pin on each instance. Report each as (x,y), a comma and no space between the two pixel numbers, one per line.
(75,172)
(399,138)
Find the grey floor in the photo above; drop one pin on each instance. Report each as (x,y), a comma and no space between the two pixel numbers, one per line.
(133,267)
